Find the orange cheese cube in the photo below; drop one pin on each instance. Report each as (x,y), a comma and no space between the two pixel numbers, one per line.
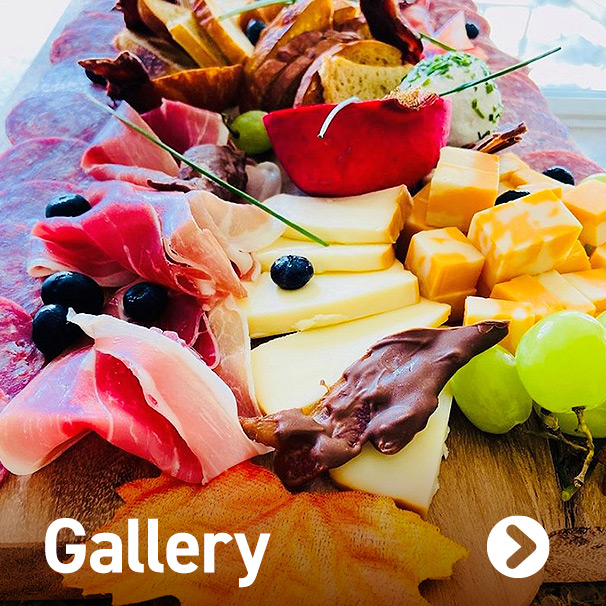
(510,163)
(444,261)
(592,284)
(597,259)
(528,288)
(519,314)
(577,260)
(459,190)
(570,297)
(456,300)
(527,236)
(587,202)
(416,220)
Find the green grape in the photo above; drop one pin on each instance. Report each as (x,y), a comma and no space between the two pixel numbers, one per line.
(490,393)
(595,419)
(602,319)
(562,362)
(249,133)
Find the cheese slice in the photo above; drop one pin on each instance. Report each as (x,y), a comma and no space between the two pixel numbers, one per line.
(597,260)
(572,299)
(326,299)
(416,220)
(293,371)
(333,258)
(373,218)
(410,477)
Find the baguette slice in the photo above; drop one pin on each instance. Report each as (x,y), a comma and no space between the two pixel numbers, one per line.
(180,23)
(226,33)
(342,79)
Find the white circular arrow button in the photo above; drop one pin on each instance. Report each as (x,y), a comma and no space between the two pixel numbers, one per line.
(518,547)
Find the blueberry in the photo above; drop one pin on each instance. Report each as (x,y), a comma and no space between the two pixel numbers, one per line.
(67,205)
(511,194)
(51,332)
(472,30)
(145,302)
(74,290)
(254,29)
(559,173)
(95,78)
(291,272)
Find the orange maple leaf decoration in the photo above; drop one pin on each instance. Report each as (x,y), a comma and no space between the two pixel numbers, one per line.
(338,548)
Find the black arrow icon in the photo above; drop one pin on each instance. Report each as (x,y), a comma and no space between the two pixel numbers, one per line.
(527,546)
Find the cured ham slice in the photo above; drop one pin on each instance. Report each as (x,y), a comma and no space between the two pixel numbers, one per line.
(195,243)
(230,329)
(118,152)
(139,389)
(19,358)
(183,126)
(184,317)
(81,392)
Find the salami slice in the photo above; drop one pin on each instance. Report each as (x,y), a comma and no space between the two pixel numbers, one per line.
(518,87)
(577,164)
(59,114)
(536,140)
(24,203)
(20,361)
(538,119)
(15,283)
(52,159)
(91,34)
(68,76)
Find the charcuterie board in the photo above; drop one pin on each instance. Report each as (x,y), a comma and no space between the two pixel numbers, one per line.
(484,479)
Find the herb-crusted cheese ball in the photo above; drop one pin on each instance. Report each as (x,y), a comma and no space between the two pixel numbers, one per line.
(475,111)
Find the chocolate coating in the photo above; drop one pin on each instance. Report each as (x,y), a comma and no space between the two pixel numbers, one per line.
(386,397)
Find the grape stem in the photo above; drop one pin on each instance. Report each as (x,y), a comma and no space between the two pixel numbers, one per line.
(554,432)
(579,481)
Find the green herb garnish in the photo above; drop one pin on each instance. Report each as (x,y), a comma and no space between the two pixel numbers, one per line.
(208,174)
(500,73)
(253,6)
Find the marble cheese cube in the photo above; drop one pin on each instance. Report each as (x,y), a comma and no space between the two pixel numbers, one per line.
(464,182)
(528,289)
(444,261)
(570,297)
(587,202)
(592,284)
(527,236)
(509,163)
(577,260)
(519,314)
(597,259)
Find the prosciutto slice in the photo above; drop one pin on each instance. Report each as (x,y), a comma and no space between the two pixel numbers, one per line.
(137,388)
(118,152)
(183,126)
(194,243)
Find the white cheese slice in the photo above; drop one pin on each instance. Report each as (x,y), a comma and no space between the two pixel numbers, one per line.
(377,217)
(326,299)
(294,371)
(333,258)
(410,477)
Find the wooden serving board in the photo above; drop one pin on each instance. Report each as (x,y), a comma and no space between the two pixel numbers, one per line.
(484,479)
